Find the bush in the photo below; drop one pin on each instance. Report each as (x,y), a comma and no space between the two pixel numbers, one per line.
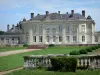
(93,48)
(68,64)
(88,49)
(83,51)
(51,45)
(74,53)
(25,45)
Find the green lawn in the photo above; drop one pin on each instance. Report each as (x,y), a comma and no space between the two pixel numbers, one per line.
(15,61)
(43,72)
(3,49)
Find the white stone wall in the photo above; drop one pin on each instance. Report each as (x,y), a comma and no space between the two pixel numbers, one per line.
(88,33)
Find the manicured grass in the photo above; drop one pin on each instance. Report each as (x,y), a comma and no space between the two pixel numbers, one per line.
(43,72)
(15,61)
(3,49)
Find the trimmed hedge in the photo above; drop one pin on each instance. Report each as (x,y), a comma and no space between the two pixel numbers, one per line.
(88,49)
(51,45)
(75,53)
(25,45)
(64,64)
(83,51)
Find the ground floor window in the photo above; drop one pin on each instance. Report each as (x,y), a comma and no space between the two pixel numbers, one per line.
(60,38)
(74,39)
(96,38)
(40,38)
(83,38)
(67,38)
(34,38)
(47,38)
(54,38)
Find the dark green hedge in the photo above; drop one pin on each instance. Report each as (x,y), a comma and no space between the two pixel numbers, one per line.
(51,45)
(25,45)
(65,64)
(74,53)
(83,51)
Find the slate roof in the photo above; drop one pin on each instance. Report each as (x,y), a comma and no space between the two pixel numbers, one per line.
(56,16)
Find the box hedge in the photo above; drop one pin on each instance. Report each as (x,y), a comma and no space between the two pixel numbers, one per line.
(88,49)
(83,51)
(25,45)
(74,53)
(64,64)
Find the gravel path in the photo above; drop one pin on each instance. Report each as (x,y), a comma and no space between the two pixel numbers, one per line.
(16,52)
(6,72)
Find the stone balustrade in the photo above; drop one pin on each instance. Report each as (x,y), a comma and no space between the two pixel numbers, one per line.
(34,61)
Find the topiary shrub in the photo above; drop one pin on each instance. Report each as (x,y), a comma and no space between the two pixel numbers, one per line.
(83,51)
(65,64)
(25,45)
(51,45)
(88,49)
(93,48)
(74,53)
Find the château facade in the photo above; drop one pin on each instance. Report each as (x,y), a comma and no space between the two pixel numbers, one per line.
(53,28)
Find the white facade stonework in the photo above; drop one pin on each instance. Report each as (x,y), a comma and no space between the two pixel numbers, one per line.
(55,28)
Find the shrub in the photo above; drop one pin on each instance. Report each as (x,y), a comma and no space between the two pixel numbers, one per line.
(25,45)
(93,48)
(83,51)
(74,53)
(68,64)
(51,45)
(88,49)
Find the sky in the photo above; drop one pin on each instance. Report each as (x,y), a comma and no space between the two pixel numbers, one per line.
(13,11)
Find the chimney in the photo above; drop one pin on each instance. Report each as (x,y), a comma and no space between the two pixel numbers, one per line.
(59,12)
(8,27)
(13,26)
(32,15)
(83,13)
(47,13)
(72,13)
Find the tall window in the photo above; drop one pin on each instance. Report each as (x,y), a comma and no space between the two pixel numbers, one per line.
(40,29)
(67,29)
(74,38)
(47,30)
(47,38)
(83,38)
(67,38)
(60,38)
(60,28)
(34,29)
(54,38)
(83,28)
(34,38)
(96,38)
(74,28)
(54,31)
(40,38)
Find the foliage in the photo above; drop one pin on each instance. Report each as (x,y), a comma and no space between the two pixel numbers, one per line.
(88,49)
(2,32)
(51,45)
(25,45)
(74,53)
(68,64)
(83,51)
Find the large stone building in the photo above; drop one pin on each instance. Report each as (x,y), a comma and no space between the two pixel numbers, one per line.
(53,28)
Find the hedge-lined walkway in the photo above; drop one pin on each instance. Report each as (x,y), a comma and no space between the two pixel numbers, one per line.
(16,52)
